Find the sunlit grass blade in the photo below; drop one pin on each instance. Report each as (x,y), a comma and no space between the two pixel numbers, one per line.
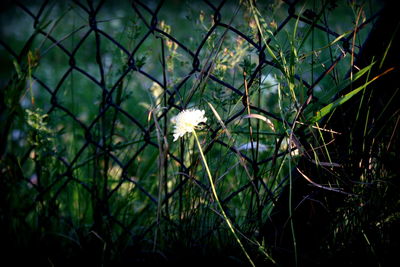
(330,107)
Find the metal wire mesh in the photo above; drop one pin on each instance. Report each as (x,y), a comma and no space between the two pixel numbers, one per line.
(118,136)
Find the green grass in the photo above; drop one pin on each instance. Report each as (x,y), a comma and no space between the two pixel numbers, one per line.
(119,190)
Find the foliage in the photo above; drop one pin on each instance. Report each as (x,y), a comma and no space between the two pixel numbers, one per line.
(88,161)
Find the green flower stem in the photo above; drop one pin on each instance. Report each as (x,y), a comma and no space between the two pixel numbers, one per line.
(228,222)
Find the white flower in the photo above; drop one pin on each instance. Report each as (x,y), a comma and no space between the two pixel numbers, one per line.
(187,121)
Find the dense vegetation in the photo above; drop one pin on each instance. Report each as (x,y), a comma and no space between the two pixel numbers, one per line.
(296,162)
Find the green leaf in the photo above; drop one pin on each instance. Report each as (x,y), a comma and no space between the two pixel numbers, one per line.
(330,107)
(347,82)
(311,109)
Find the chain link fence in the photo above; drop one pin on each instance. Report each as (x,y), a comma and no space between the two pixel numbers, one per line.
(89,90)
